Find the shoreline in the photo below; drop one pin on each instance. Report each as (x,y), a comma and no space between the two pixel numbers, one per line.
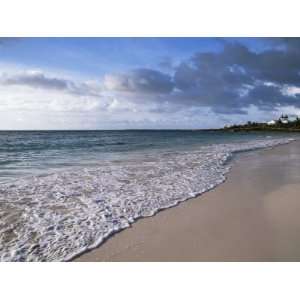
(78,211)
(160,237)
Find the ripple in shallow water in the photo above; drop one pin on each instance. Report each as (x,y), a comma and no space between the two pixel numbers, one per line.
(56,217)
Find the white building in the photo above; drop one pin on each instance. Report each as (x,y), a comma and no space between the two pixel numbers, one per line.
(284,119)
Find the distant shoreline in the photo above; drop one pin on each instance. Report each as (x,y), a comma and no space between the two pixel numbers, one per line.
(259,129)
(204,129)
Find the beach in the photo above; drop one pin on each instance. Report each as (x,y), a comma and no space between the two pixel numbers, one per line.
(253,216)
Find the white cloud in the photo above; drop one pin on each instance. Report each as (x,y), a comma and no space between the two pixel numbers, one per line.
(291,91)
(39,99)
(31,99)
(36,99)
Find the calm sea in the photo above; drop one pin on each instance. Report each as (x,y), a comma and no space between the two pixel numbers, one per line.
(24,153)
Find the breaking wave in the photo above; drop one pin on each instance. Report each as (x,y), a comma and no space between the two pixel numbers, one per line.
(58,216)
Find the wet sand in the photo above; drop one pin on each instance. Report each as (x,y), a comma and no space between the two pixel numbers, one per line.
(253,216)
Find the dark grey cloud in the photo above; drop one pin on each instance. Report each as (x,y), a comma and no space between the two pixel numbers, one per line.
(140,81)
(36,80)
(270,97)
(236,78)
(39,80)
(279,66)
(228,82)
(289,43)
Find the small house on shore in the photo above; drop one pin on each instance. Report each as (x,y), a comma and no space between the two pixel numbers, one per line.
(272,122)
(284,119)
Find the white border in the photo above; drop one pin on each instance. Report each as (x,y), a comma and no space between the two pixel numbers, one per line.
(149,18)
(149,281)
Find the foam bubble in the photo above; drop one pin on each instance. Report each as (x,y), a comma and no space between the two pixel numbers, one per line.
(55,217)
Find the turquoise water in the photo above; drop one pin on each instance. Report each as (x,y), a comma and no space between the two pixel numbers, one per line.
(25,153)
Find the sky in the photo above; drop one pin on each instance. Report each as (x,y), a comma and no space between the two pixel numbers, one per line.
(146,83)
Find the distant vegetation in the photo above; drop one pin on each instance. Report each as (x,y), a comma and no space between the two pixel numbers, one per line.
(284,123)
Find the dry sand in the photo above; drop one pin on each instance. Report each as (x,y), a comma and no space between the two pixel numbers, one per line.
(253,216)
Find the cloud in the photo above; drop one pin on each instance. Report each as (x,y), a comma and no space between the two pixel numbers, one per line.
(36,79)
(39,80)
(207,89)
(140,81)
(228,82)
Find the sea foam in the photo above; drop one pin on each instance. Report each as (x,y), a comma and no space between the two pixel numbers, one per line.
(58,216)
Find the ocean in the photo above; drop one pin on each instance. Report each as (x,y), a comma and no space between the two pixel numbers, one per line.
(64,192)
